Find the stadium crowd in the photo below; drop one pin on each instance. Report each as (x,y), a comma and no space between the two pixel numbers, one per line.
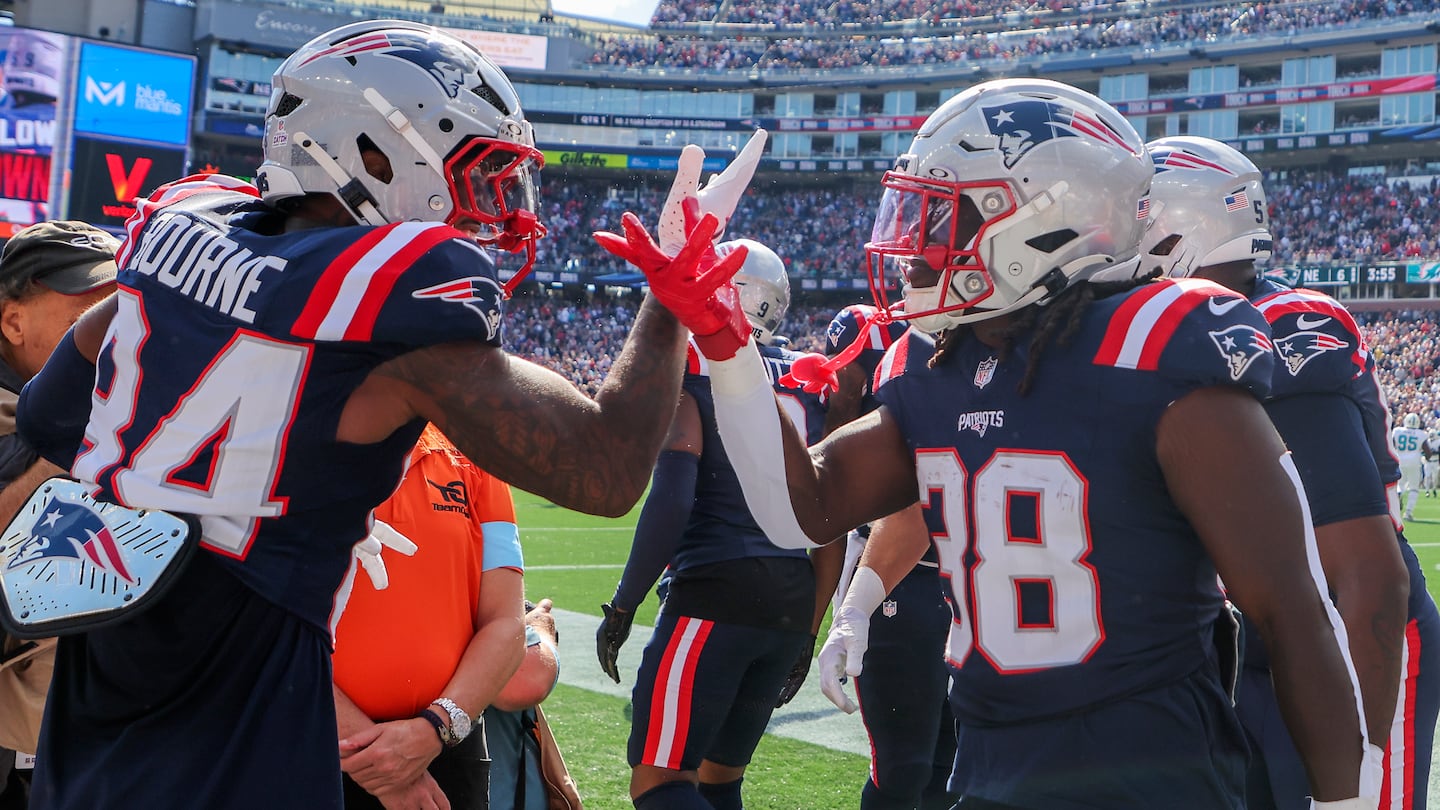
(1406,345)
(578,338)
(1317,216)
(1068,30)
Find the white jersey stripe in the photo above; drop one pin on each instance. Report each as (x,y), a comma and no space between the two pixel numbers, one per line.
(673,683)
(359,278)
(1399,784)
(1138,333)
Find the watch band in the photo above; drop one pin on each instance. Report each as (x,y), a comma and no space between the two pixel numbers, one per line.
(460,722)
(442,730)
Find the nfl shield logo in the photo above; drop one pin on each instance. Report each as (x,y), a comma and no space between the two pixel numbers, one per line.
(888,608)
(985,372)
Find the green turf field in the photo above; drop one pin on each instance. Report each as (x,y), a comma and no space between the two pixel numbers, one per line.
(576,560)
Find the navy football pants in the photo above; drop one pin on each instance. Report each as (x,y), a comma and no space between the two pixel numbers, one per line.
(904,698)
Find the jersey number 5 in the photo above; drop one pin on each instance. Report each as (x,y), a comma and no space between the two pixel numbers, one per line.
(1029,600)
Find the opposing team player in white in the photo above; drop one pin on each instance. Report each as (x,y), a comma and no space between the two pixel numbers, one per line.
(1408,439)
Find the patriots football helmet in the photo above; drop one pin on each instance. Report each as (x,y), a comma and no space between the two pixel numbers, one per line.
(449,121)
(1011,192)
(764,287)
(1412,421)
(1207,207)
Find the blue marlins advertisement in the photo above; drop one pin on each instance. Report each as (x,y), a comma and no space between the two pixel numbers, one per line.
(134,94)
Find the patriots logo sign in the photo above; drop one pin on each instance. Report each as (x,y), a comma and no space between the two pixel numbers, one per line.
(446,64)
(834,332)
(1299,348)
(1166,159)
(71,531)
(1241,345)
(479,294)
(1023,125)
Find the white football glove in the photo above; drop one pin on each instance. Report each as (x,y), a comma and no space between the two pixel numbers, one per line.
(718,197)
(382,535)
(843,654)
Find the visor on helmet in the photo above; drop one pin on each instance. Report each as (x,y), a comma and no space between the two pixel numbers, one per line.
(927,230)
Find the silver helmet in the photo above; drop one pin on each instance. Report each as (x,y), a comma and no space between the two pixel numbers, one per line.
(459,148)
(1010,192)
(764,287)
(1207,207)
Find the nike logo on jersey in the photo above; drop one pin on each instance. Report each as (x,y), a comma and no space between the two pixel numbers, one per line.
(1220,306)
(1304,321)
(1299,348)
(981,421)
(1240,345)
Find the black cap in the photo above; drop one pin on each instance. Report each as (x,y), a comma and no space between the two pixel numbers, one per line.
(65,256)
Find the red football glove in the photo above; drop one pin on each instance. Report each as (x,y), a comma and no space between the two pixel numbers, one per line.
(693,285)
(811,373)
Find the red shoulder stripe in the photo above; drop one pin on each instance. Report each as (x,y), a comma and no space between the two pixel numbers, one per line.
(892,365)
(1142,327)
(347,299)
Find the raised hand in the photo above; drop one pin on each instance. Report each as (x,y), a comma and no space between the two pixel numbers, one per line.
(694,285)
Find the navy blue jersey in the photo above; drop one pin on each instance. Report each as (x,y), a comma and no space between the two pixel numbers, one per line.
(857,322)
(721,526)
(218,392)
(1323,397)
(232,353)
(1074,578)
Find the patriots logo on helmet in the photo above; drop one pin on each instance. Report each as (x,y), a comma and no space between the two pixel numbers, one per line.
(833,334)
(1241,345)
(480,294)
(1299,348)
(1023,125)
(441,60)
(71,531)
(1166,159)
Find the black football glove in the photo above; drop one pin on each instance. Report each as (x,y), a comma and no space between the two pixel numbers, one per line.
(798,672)
(610,636)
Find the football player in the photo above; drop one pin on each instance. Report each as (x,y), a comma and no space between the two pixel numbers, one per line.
(738,610)
(1209,219)
(902,693)
(1076,536)
(1408,439)
(270,358)
(1430,467)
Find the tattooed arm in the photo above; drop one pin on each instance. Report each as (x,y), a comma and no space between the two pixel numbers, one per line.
(528,425)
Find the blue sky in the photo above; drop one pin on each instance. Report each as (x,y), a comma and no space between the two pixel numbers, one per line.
(629,12)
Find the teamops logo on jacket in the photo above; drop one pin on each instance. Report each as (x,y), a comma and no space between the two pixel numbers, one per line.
(72,531)
(1023,125)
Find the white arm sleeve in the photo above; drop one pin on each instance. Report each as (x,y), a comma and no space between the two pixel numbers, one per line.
(749,423)
(1372,767)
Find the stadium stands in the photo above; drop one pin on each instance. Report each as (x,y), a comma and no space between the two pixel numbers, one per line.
(741,35)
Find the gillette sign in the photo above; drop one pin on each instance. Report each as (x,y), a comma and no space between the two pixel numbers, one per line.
(132,93)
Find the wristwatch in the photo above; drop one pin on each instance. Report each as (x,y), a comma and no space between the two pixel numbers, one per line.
(460,722)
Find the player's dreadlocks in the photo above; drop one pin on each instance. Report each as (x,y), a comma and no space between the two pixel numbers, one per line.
(1055,322)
